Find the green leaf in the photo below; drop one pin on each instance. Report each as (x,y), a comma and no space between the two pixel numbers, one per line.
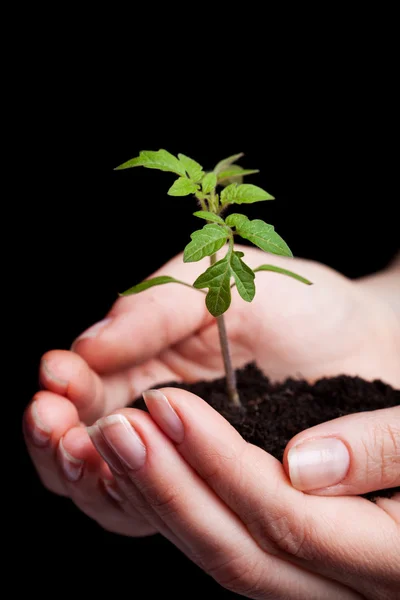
(209,216)
(248,193)
(244,277)
(227,162)
(236,173)
(283,272)
(209,182)
(193,169)
(217,279)
(245,193)
(162,160)
(264,236)
(236,220)
(148,283)
(205,242)
(183,187)
(228,195)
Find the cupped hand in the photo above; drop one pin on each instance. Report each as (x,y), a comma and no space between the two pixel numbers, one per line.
(230,506)
(166,334)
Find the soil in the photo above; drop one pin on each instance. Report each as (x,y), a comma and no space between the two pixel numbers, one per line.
(274,412)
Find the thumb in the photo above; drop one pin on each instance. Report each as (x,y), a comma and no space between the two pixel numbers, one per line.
(139,327)
(355,454)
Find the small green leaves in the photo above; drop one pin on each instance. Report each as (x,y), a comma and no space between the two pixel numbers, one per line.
(234,173)
(205,242)
(261,234)
(227,162)
(228,195)
(192,168)
(182,187)
(227,172)
(217,279)
(209,182)
(244,277)
(148,283)
(162,160)
(283,272)
(209,216)
(236,220)
(245,193)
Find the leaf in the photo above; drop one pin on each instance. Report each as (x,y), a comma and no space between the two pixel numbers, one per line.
(217,279)
(148,283)
(264,236)
(209,182)
(226,162)
(162,160)
(245,193)
(236,220)
(283,272)
(234,172)
(209,216)
(244,277)
(193,169)
(182,187)
(205,242)
(228,195)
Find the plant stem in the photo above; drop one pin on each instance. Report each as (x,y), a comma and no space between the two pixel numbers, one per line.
(229,370)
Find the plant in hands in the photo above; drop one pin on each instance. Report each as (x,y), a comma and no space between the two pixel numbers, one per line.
(217,233)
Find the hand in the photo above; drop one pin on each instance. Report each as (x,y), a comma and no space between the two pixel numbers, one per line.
(230,507)
(166,334)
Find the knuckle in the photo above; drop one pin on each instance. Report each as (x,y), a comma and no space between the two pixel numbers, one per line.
(284,530)
(165,503)
(382,452)
(294,537)
(240,575)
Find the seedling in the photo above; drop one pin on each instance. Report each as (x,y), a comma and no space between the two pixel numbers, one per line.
(218,232)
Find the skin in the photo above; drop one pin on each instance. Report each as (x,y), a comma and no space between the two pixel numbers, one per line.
(228,505)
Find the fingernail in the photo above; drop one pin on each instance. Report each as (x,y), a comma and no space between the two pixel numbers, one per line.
(72,467)
(317,464)
(104,450)
(110,489)
(123,439)
(164,415)
(39,433)
(50,375)
(93,331)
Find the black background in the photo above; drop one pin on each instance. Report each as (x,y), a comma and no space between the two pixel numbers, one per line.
(322,140)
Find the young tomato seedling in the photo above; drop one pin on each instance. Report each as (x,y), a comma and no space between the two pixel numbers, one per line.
(217,233)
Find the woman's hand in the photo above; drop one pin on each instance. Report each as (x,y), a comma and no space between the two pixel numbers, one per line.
(165,334)
(230,506)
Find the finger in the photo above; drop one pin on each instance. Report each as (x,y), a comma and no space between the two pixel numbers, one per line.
(140,326)
(322,533)
(94,490)
(46,420)
(67,374)
(354,454)
(197,517)
(133,500)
